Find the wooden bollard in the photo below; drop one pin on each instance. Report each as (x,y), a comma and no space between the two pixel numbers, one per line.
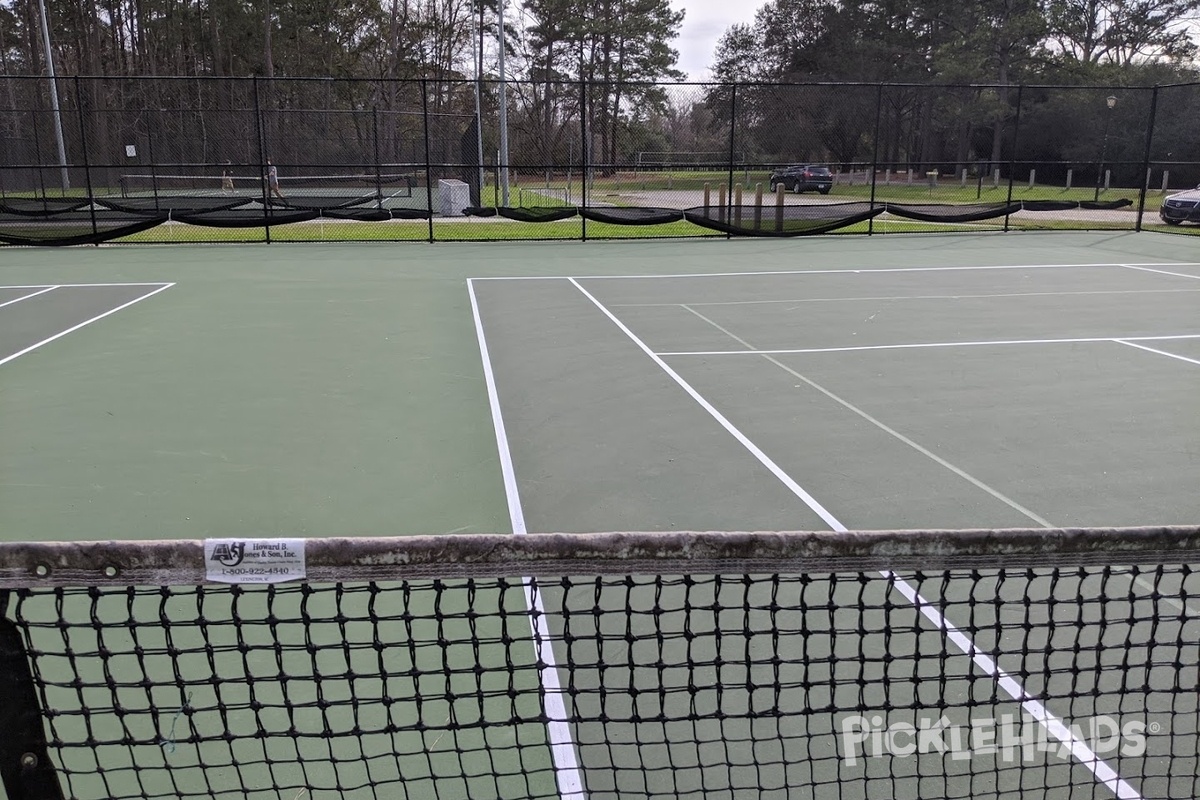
(780,189)
(721,202)
(707,197)
(757,206)
(737,204)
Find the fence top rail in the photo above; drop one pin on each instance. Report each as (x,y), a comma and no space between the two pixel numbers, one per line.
(576,81)
(181,562)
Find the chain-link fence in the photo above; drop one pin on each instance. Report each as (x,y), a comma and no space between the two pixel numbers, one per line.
(247,159)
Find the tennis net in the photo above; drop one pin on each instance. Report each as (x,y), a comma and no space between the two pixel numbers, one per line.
(244,182)
(1022,663)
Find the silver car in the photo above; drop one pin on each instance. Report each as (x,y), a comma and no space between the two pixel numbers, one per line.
(1181,207)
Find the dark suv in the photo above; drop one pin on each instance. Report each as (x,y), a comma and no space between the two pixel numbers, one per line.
(803,178)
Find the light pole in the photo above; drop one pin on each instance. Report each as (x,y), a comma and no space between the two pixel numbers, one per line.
(503,115)
(1112,103)
(58,131)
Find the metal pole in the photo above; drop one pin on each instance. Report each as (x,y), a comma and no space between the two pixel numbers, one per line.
(503,115)
(1111,102)
(58,130)
(1146,160)
(428,165)
(732,138)
(1012,161)
(262,157)
(583,153)
(83,146)
(375,147)
(479,102)
(875,152)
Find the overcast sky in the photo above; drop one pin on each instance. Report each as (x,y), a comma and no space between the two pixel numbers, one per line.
(703,23)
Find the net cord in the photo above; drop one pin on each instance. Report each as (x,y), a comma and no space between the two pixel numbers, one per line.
(330,560)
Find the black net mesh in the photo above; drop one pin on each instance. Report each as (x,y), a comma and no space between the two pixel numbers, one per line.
(939,212)
(684,686)
(73,228)
(781,220)
(41,206)
(632,216)
(1035,682)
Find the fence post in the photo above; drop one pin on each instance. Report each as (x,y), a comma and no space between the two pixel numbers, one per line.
(732,140)
(1012,156)
(83,146)
(37,155)
(151,156)
(875,153)
(428,167)
(1146,161)
(262,158)
(375,147)
(583,154)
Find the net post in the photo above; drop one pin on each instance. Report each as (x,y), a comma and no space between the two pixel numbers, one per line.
(25,767)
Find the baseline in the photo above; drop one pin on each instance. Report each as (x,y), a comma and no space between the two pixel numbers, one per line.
(919,345)
(839,271)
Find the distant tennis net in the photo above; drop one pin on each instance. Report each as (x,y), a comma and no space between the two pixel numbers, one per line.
(390,184)
(1032,664)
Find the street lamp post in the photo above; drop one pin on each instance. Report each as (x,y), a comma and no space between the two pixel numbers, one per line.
(55,109)
(1111,101)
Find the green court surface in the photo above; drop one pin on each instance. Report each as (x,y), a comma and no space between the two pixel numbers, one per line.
(1017,380)
(338,390)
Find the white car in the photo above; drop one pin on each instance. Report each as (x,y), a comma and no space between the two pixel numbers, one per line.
(1181,207)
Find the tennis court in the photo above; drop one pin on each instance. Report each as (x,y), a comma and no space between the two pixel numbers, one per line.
(1015,381)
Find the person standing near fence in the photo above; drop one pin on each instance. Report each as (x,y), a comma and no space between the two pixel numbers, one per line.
(273,179)
(227,178)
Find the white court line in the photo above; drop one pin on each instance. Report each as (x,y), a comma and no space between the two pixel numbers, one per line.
(74,328)
(846,271)
(1163,271)
(969,478)
(86,285)
(920,345)
(562,747)
(1182,607)
(1054,726)
(1160,352)
(27,296)
(901,297)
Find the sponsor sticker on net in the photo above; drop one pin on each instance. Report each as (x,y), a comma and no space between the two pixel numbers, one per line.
(254,560)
